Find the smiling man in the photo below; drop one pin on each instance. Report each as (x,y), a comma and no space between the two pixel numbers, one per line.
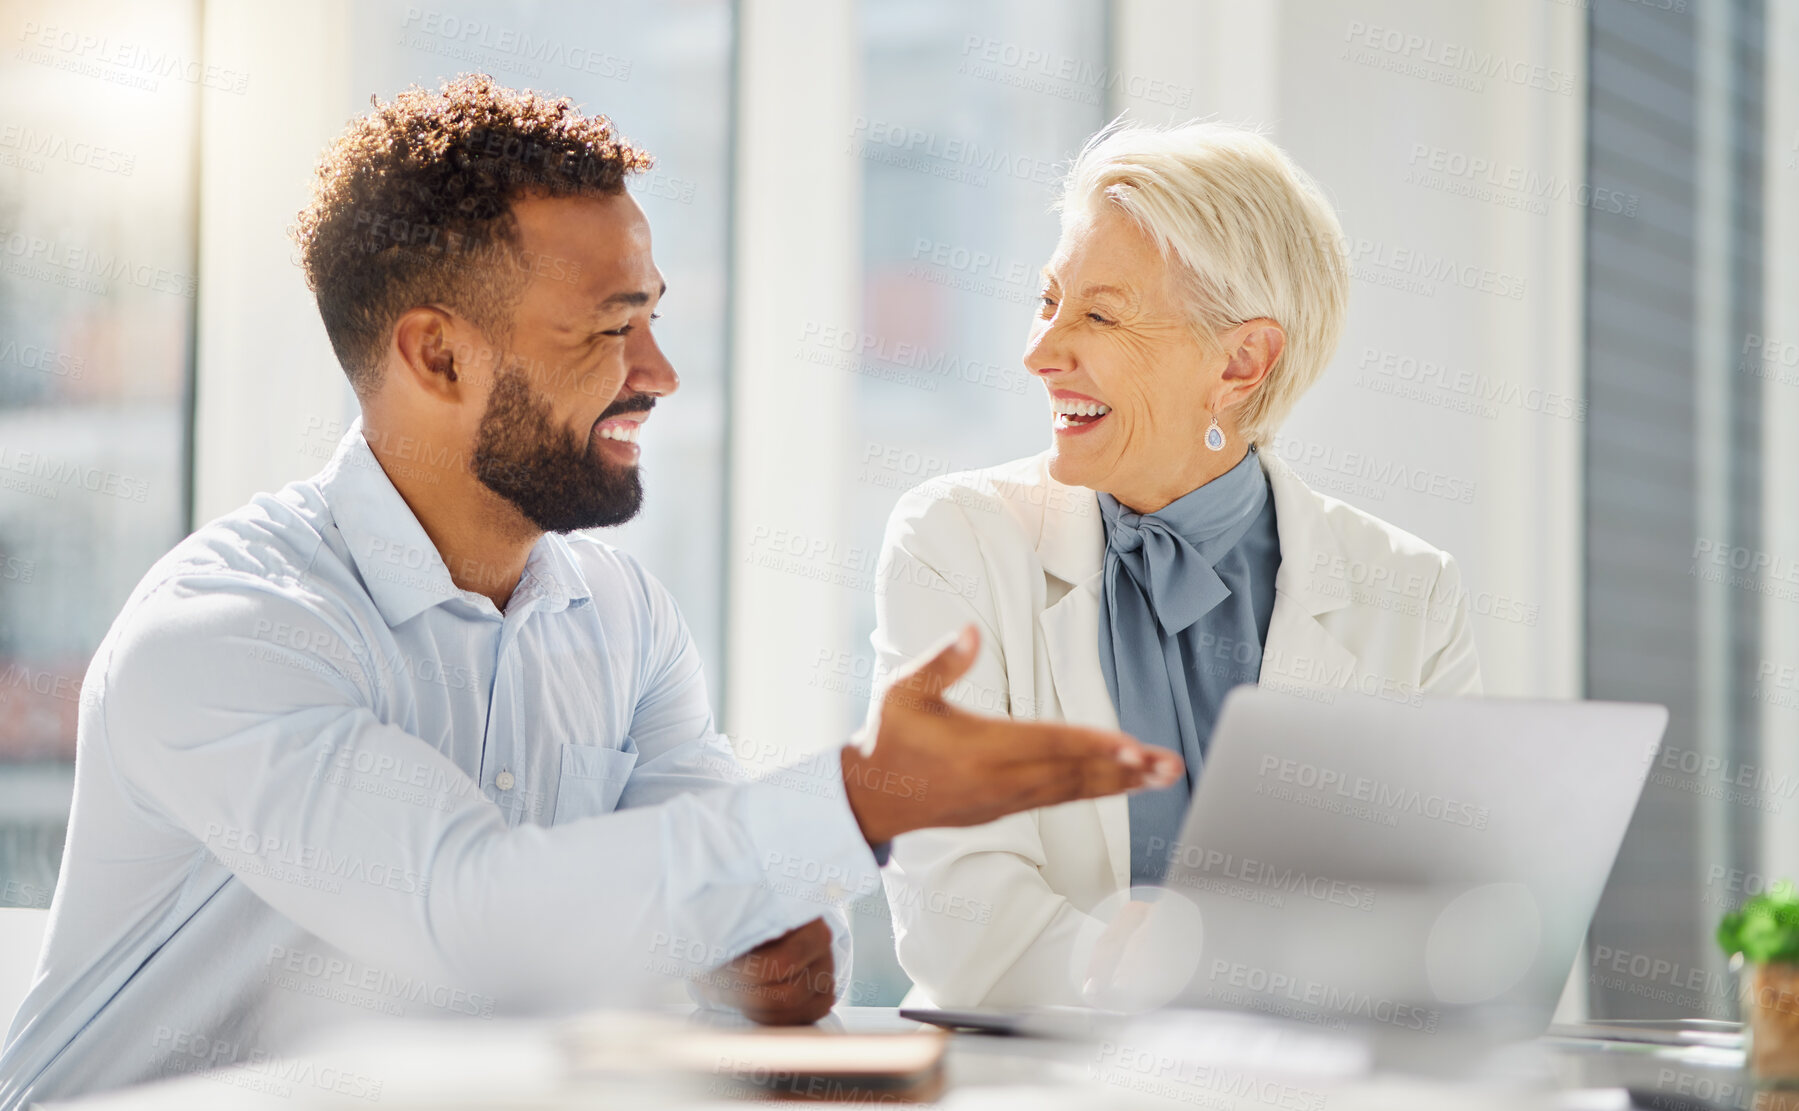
(395,741)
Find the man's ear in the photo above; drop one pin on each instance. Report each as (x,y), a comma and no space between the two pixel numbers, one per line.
(427,355)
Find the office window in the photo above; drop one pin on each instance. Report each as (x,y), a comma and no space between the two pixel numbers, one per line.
(971,116)
(1674,480)
(662,74)
(97,286)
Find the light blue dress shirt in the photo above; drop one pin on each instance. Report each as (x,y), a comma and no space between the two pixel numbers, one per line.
(317,783)
(1189,594)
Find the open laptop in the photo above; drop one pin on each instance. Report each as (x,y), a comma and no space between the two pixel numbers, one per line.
(1410,866)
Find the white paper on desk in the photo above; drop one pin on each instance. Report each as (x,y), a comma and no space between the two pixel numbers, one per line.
(433,1065)
(1248,1043)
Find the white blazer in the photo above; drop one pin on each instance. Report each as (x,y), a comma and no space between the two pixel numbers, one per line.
(995,915)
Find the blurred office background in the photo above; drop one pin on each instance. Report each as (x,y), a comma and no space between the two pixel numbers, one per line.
(1572,357)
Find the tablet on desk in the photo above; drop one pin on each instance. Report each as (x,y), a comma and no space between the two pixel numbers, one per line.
(1002,1023)
(1050,1021)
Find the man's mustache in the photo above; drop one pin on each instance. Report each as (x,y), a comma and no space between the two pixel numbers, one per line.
(636,403)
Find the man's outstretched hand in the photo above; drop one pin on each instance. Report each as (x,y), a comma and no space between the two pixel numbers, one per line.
(934,764)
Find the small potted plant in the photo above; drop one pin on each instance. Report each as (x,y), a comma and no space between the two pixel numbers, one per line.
(1763,935)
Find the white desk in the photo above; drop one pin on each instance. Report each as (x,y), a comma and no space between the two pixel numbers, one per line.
(519,1064)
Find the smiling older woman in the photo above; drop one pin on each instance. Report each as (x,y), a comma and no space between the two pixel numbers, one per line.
(1152,558)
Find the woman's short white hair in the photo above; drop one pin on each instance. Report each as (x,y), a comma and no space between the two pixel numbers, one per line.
(1250,233)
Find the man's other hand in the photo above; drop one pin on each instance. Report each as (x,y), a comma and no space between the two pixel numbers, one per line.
(934,764)
(790,981)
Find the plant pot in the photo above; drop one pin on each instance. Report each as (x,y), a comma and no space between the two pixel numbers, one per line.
(1770,998)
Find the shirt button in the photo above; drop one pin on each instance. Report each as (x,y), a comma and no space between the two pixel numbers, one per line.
(503,781)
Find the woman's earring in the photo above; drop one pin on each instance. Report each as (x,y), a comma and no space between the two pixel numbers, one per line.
(1215,435)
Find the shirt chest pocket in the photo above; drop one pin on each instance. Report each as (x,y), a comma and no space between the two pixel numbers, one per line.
(593,778)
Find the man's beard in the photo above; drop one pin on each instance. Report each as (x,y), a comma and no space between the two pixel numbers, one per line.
(549,473)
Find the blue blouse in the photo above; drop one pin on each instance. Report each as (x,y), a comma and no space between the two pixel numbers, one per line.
(1189,592)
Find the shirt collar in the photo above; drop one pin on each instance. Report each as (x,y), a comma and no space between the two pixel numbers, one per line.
(400,566)
(553,575)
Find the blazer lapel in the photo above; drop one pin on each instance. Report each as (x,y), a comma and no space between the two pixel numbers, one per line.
(1311,582)
(1071,637)
(1071,640)
(1071,546)
(1300,651)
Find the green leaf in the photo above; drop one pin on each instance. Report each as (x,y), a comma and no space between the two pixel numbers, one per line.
(1765,930)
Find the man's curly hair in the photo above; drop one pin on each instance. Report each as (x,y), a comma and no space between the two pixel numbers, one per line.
(412,205)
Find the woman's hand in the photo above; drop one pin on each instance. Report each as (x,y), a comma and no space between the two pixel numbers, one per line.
(1110,951)
(934,764)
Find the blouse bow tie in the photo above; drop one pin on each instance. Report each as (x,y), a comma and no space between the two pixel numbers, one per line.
(1177,581)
